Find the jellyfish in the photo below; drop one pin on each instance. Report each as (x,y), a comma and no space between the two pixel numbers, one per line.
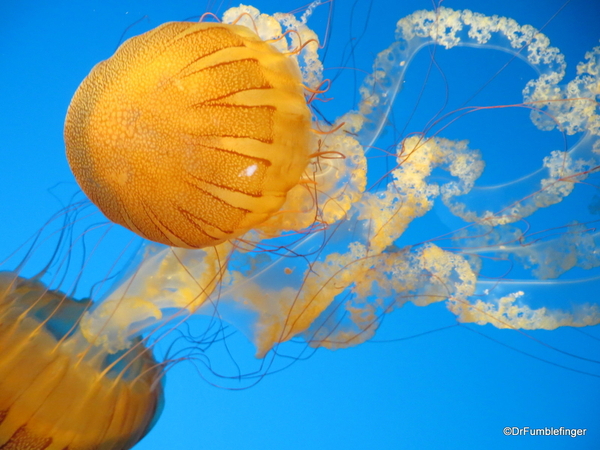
(362,261)
(334,286)
(70,394)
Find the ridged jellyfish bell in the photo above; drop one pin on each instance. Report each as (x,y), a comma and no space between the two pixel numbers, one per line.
(190,134)
(58,390)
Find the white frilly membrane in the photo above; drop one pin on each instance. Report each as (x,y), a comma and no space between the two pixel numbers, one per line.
(328,267)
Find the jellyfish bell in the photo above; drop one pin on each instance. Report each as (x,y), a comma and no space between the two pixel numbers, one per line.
(191,134)
(59,391)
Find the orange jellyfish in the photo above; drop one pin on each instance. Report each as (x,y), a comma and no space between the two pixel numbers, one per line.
(59,391)
(361,260)
(335,285)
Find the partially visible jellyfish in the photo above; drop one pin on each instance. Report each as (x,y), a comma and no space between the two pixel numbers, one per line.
(58,390)
(344,261)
